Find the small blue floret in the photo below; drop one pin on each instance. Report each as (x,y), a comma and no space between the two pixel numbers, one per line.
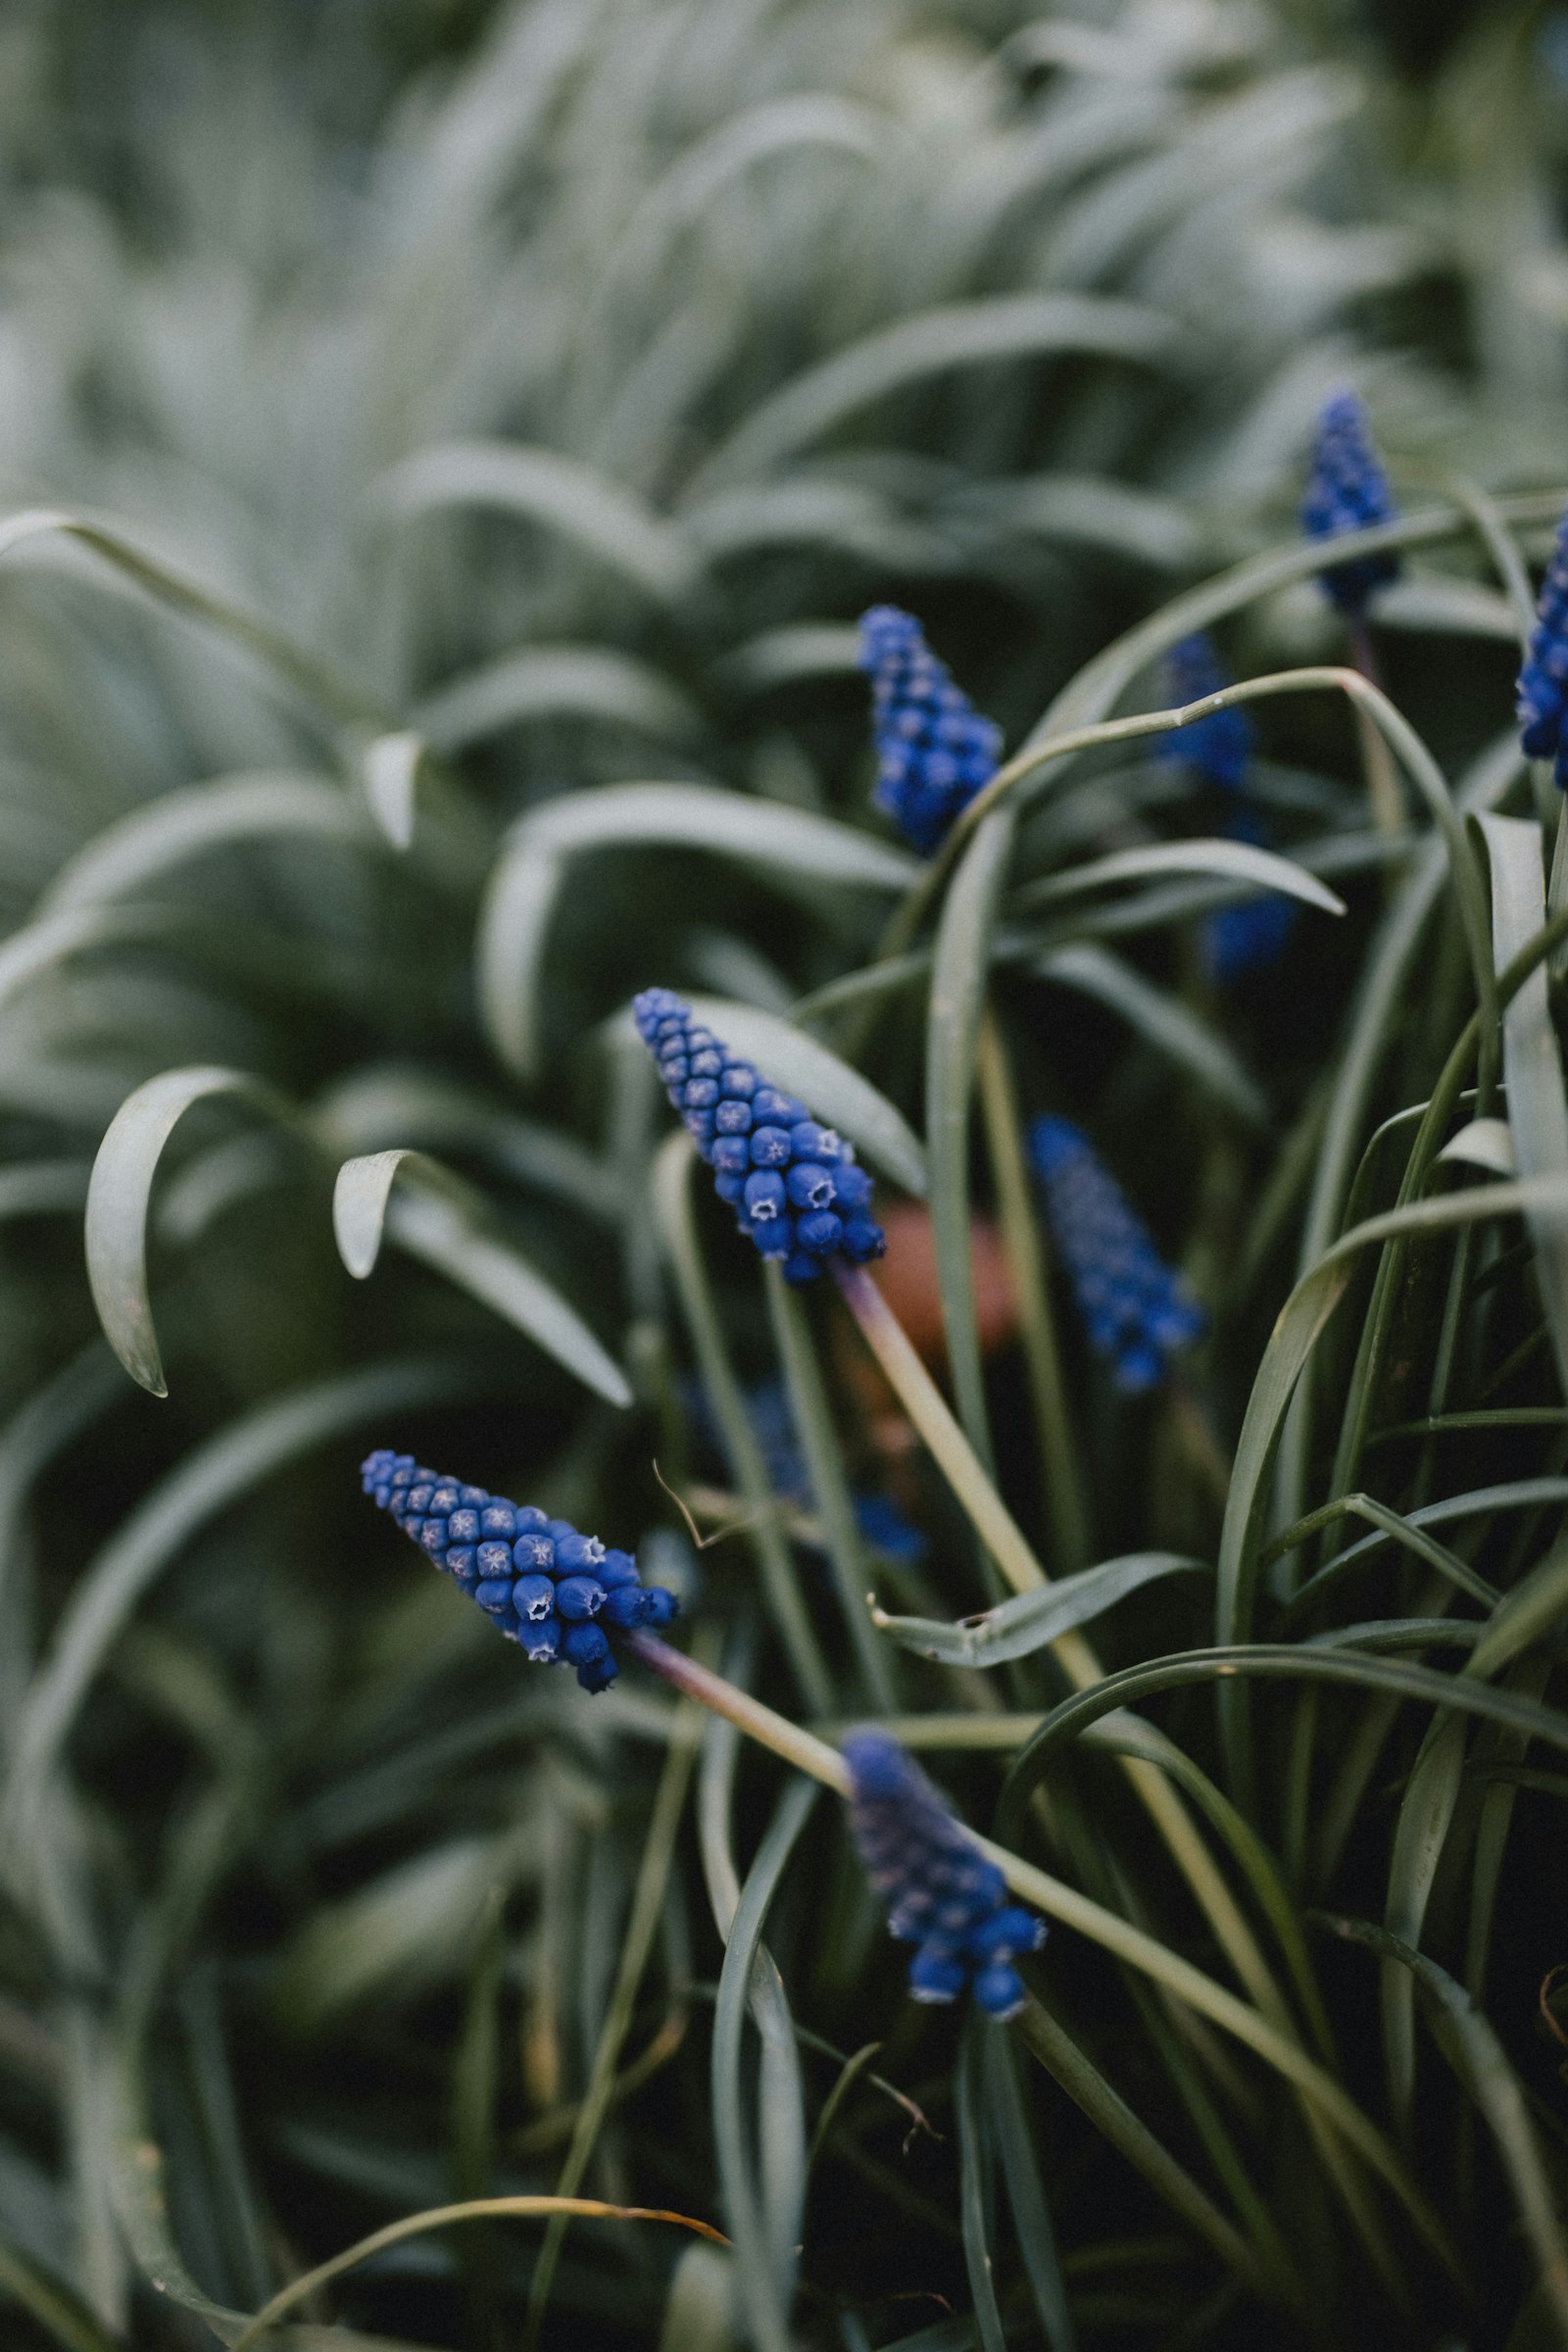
(934,750)
(1543,688)
(1348,490)
(540,1581)
(940,1892)
(1135,1310)
(794,1185)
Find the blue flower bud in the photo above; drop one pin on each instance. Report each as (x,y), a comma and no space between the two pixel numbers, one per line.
(575,1553)
(583,1644)
(764,1196)
(1134,1307)
(511,1580)
(1348,490)
(934,750)
(810,1185)
(940,1892)
(579,1596)
(533,1597)
(769,1158)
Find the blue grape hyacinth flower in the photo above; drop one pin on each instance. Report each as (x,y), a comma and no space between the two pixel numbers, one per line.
(937,1888)
(1135,1309)
(1348,490)
(796,1187)
(935,751)
(1543,688)
(556,1593)
(1218,747)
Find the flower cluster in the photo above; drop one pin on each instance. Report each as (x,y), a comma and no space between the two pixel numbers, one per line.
(934,749)
(1543,680)
(545,1586)
(937,1888)
(767,1405)
(1134,1307)
(1221,746)
(1348,490)
(794,1186)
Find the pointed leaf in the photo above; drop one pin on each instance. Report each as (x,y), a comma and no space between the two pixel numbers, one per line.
(526,882)
(442,1221)
(120,1194)
(389,768)
(1027,1622)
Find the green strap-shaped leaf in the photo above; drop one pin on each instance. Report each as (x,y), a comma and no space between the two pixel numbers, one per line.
(144,846)
(556,681)
(560,493)
(442,1222)
(120,1194)
(1226,860)
(389,769)
(1027,1622)
(1531,1059)
(958,334)
(526,883)
(1159,1017)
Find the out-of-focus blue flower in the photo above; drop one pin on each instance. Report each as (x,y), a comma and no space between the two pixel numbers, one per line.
(546,1587)
(794,1186)
(935,751)
(1543,680)
(1218,747)
(939,1890)
(1134,1308)
(1348,490)
(1250,937)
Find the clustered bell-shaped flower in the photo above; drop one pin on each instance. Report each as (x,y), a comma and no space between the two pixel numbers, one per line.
(1135,1309)
(796,1188)
(1221,746)
(934,749)
(1543,688)
(1348,490)
(542,1584)
(939,1890)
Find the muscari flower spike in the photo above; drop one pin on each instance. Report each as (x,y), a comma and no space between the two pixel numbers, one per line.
(1542,687)
(937,1888)
(545,1586)
(1218,747)
(794,1186)
(1348,490)
(1134,1307)
(935,751)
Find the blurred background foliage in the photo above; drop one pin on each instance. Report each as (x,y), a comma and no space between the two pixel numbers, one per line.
(483,404)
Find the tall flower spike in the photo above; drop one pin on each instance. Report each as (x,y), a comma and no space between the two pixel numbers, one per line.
(934,750)
(794,1186)
(939,1892)
(1134,1308)
(556,1593)
(1218,747)
(1543,680)
(1348,490)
